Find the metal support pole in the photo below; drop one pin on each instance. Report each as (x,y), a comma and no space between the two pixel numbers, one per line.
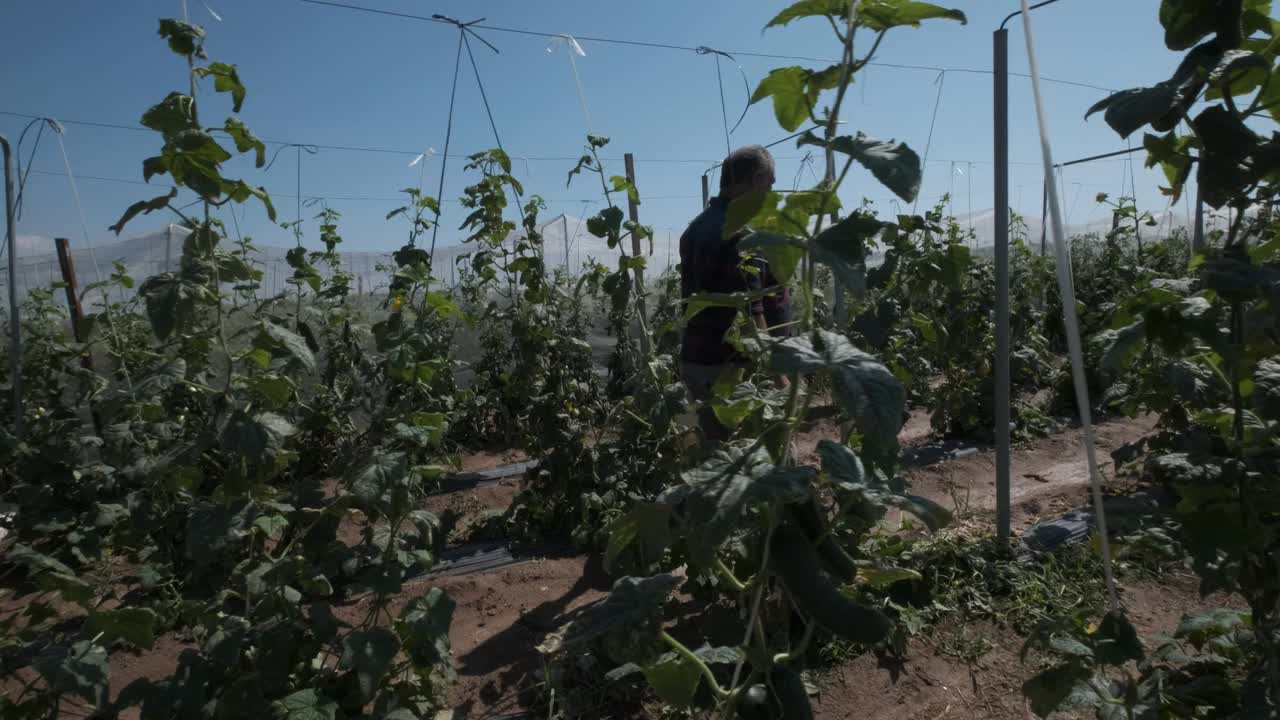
(15,332)
(634,210)
(1001,109)
(839,312)
(1044,218)
(706,191)
(1197,234)
(565,223)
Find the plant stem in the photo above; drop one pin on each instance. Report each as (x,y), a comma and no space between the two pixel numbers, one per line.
(727,575)
(688,654)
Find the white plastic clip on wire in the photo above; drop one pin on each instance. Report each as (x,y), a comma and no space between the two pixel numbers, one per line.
(574,51)
(1069,314)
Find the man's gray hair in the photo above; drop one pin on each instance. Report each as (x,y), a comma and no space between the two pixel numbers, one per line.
(744,164)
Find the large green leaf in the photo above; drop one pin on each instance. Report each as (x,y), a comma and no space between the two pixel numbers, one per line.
(171,115)
(783,253)
(629,621)
(1200,628)
(606,224)
(791,100)
(369,654)
(895,165)
(675,680)
(307,705)
(645,529)
(226,79)
(742,208)
(1116,641)
(843,467)
(865,388)
(294,344)
(424,629)
(80,669)
(143,207)
(722,486)
(134,625)
(370,481)
(843,247)
(885,14)
(1233,158)
(1163,105)
(245,140)
(259,438)
(184,38)
(1187,22)
(810,8)
(1059,688)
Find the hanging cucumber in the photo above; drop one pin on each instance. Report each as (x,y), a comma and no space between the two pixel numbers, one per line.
(796,563)
(784,698)
(808,516)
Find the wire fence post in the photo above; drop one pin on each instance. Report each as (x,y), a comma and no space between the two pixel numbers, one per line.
(1001,111)
(15,332)
(634,210)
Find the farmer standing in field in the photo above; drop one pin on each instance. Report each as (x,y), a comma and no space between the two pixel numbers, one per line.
(709,263)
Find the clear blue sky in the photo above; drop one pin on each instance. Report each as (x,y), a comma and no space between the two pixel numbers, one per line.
(332,76)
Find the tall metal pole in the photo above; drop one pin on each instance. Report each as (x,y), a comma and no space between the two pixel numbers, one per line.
(706,191)
(1001,109)
(15,332)
(1197,233)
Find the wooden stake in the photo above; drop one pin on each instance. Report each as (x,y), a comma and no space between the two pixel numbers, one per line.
(633,207)
(77,314)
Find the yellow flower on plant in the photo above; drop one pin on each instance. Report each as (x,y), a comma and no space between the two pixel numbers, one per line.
(397,302)
(1091,628)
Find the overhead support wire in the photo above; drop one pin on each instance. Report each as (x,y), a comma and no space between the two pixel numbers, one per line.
(688,48)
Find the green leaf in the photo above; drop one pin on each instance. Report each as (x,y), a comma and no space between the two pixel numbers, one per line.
(1116,641)
(934,516)
(245,141)
(865,388)
(80,669)
(810,8)
(895,165)
(843,247)
(134,625)
(646,527)
(841,464)
(292,343)
(629,621)
(722,486)
(1233,158)
(226,79)
(741,209)
(621,184)
(369,654)
(878,576)
(275,388)
(881,15)
(1200,628)
(171,115)
(1245,71)
(1187,22)
(259,438)
(1064,645)
(370,481)
(184,38)
(271,525)
(675,680)
(424,629)
(1119,346)
(1163,105)
(783,253)
(606,224)
(144,207)
(791,100)
(307,705)
(1059,688)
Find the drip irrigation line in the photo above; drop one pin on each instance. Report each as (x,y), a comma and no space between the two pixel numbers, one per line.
(689,48)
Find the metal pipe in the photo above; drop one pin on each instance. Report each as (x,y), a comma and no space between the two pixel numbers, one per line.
(706,191)
(1197,237)
(15,332)
(1103,156)
(1000,46)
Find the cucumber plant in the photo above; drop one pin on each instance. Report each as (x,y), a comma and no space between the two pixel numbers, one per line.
(1204,353)
(748,518)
